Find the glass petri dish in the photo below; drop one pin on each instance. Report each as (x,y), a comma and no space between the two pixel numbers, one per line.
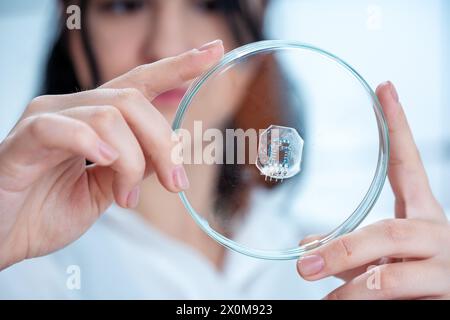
(281,140)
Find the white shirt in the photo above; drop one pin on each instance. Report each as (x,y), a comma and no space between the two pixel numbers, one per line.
(124,257)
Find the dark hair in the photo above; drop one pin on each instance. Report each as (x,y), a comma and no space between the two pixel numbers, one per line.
(247,26)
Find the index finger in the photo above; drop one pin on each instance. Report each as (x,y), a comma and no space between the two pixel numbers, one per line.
(166,74)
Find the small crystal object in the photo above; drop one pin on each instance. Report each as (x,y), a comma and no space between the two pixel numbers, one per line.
(280,153)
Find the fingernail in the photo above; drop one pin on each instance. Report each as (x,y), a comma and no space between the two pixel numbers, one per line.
(210,45)
(133,198)
(107,152)
(180,178)
(394,92)
(310,265)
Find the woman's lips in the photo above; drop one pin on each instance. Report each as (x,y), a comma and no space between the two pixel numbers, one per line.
(170,97)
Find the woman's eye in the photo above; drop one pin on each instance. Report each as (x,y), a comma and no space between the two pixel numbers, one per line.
(207,5)
(121,7)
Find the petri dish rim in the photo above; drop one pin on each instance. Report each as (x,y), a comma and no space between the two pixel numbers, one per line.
(374,190)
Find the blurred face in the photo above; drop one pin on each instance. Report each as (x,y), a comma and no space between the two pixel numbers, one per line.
(128,33)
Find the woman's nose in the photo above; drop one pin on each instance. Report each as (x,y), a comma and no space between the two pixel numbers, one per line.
(169,35)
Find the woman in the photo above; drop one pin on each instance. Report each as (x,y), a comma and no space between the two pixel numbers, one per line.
(50,198)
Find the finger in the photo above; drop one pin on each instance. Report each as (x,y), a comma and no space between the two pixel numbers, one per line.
(407,175)
(109,124)
(156,78)
(347,274)
(41,142)
(150,79)
(151,129)
(407,280)
(397,238)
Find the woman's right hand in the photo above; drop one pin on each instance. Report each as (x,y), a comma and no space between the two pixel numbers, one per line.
(48,197)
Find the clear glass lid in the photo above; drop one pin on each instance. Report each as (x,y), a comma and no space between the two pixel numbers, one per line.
(281,141)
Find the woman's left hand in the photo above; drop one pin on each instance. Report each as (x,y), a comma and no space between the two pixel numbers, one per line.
(403,258)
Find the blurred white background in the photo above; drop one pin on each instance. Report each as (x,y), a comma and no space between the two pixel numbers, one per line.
(406,41)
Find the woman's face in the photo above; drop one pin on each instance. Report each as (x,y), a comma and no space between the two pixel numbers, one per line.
(128,33)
